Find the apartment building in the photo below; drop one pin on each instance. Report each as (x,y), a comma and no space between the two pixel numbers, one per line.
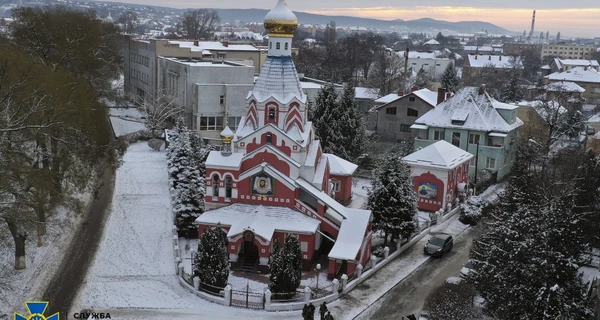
(567,51)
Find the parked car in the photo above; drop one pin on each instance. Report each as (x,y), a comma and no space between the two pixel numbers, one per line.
(590,130)
(438,245)
(468,268)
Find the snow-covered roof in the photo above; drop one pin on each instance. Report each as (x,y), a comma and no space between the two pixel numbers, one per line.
(424,94)
(479,49)
(213,45)
(576,62)
(500,62)
(366,93)
(351,235)
(217,159)
(431,42)
(335,210)
(441,154)
(263,220)
(339,166)
(387,98)
(564,86)
(419,55)
(278,79)
(311,154)
(279,13)
(320,171)
(577,74)
(481,110)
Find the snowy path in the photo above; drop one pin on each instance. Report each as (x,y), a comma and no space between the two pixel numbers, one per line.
(133,275)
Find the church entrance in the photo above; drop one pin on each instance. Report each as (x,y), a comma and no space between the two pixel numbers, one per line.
(248,257)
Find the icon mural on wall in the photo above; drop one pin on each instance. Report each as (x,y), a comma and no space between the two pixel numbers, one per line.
(262,184)
(428,190)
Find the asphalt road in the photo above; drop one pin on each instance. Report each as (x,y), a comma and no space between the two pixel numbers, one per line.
(65,284)
(408,296)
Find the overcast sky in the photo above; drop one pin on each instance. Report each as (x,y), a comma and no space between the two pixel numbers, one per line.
(572,18)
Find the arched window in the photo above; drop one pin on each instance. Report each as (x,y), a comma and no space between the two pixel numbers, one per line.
(278,46)
(271,113)
(215,183)
(269,138)
(228,184)
(286,46)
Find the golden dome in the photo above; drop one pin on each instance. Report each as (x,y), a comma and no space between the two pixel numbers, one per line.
(281,21)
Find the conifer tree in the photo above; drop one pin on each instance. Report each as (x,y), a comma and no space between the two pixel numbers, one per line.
(212,262)
(392,199)
(323,119)
(352,129)
(286,277)
(422,80)
(450,79)
(512,91)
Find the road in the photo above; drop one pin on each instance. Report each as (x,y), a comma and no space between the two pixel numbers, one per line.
(408,296)
(65,284)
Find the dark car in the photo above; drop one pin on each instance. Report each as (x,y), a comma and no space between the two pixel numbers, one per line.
(438,245)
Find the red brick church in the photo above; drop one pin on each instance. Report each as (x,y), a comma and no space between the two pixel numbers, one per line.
(272,177)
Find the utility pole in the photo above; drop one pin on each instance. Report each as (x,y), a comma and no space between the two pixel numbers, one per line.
(476,167)
(406,89)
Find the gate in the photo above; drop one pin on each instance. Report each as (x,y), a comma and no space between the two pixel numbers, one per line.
(248,299)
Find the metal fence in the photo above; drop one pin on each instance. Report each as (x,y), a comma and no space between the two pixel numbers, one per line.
(248,299)
(295,296)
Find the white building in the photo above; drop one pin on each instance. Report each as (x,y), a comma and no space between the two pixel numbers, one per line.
(567,51)
(209,91)
(428,61)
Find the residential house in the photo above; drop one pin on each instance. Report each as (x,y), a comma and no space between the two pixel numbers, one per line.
(586,77)
(502,66)
(537,117)
(567,51)
(562,90)
(474,122)
(395,117)
(428,61)
(560,65)
(365,99)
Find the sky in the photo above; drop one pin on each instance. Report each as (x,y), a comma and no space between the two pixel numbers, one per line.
(572,18)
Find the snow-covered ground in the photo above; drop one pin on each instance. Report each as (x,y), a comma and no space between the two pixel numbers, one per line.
(133,275)
(126,113)
(589,273)
(42,262)
(360,192)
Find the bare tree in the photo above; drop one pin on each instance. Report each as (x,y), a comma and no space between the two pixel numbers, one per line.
(200,23)
(129,20)
(387,73)
(159,111)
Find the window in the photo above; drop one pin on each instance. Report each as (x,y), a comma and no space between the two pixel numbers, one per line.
(304,246)
(278,46)
(233,122)
(211,123)
(411,99)
(271,113)
(473,138)
(412,112)
(335,186)
(215,185)
(490,163)
(228,184)
(456,139)
(439,135)
(222,100)
(390,110)
(286,46)
(472,162)
(404,128)
(269,138)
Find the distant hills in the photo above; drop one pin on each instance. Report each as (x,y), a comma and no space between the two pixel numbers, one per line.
(426,25)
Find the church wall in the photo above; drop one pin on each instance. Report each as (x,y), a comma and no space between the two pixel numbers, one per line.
(282,195)
(344,195)
(278,142)
(270,158)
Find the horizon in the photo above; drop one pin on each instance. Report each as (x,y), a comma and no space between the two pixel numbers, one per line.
(579,20)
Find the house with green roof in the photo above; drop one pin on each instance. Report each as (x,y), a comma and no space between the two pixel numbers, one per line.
(476,123)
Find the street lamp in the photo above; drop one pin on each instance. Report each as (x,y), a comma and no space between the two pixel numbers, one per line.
(318,268)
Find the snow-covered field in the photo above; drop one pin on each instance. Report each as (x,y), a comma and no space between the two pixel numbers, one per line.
(42,262)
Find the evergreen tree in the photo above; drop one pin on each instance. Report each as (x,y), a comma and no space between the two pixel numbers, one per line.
(450,79)
(286,277)
(324,105)
(587,199)
(352,129)
(512,91)
(212,262)
(392,199)
(422,80)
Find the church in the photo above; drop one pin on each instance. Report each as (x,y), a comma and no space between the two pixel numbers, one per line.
(272,177)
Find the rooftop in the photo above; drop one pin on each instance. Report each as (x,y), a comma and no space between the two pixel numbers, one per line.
(500,62)
(278,79)
(339,166)
(577,74)
(214,46)
(441,154)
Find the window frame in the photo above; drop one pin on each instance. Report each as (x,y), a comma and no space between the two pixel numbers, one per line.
(441,135)
(457,136)
(488,161)
(410,112)
(476,138)
(391,110)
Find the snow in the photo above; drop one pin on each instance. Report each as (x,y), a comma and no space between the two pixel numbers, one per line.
(500,62)
(576,62)
(278,80)
(311,154)
(123,127)
(320,171)
(478,48)
(388,98)
(227,132)
(441,154)
(577,74)
(264,220)
(350,237)
(217,159)
(280,12)
(339,166)
(131,113)
(362,297)
(431,42)
(133,275)
(213,45)
(482,109)
(418,55)
(427,96)
(564,86)
(366,93)
(588,274)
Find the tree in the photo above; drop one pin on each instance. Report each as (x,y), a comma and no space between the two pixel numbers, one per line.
(422,80)
(450,79)
(159,110)
(286,269)
(392,199)
(199,24)
(129,21)
(512,91)
(531,64)
(452,302)
(325,129)
(352,130)
(212,261)
(387,73)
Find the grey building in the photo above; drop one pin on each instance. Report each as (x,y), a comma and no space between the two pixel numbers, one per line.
(395,117)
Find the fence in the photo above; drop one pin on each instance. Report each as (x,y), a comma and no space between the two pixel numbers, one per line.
(281,297)
(247,299)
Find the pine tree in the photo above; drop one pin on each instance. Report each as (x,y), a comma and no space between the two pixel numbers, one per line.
(450,79)
(212,262)
(512,91)
(392,199)
(422,80)
(286,277)
(352,129)
(323,119)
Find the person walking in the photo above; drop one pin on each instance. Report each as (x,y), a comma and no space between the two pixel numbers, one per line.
(311,311)
(323,310)
(328,316)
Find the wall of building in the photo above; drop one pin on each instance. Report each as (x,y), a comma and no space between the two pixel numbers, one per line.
(433,67)
(139,68)
(592,91)
(395,127)
(567,51)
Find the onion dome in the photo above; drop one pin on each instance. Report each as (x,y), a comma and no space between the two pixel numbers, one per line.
(281,21)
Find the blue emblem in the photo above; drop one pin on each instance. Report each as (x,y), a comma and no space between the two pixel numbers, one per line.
(36,311)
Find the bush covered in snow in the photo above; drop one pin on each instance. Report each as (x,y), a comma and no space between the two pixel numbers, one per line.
(286,268)
(212,261)
(452,302)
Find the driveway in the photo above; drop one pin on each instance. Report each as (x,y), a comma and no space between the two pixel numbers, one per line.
(408,296)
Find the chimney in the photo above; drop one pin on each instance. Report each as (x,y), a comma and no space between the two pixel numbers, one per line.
(400,93)
(441,95)
(226,44)
(196,43)
(414,89)
(482,89)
